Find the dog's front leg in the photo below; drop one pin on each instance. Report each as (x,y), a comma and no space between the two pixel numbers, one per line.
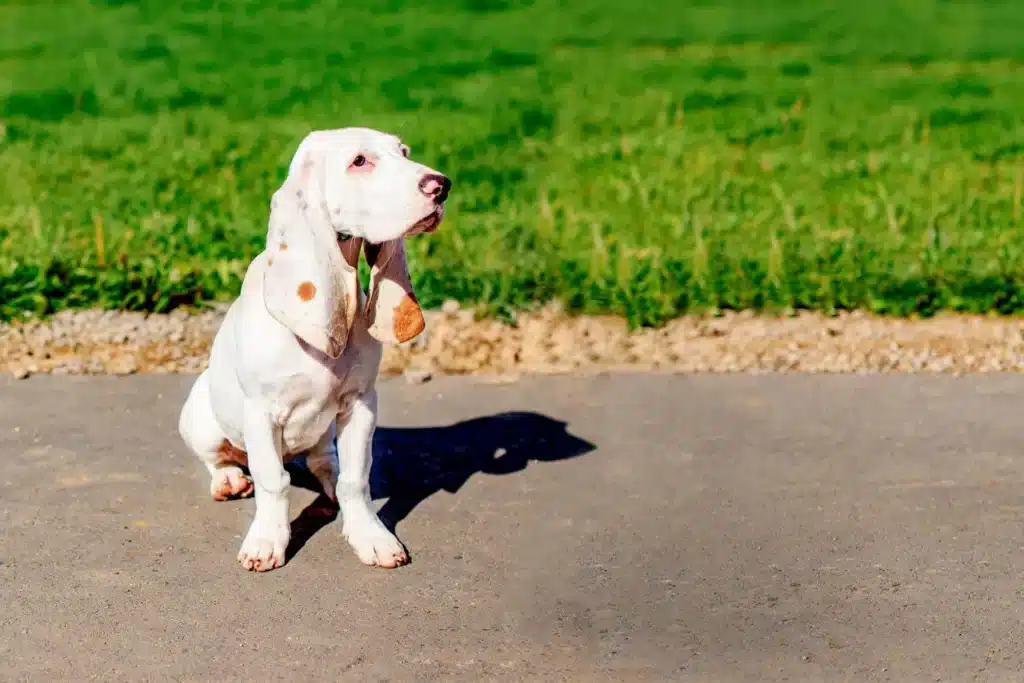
(264,546)
(367,535)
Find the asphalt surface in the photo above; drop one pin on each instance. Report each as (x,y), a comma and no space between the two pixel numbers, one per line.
(630,528)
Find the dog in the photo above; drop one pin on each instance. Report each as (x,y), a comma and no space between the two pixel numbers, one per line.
(293,366)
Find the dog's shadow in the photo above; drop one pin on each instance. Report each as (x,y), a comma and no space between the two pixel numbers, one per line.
(412,464)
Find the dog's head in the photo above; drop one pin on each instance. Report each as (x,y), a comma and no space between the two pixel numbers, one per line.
(347,190)
(367,184)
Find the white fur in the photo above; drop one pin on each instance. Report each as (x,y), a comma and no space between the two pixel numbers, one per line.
(294,364)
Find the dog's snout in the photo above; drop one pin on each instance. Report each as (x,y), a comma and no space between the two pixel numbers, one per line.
(436,186)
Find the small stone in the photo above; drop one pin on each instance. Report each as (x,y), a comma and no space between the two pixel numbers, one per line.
(20,372)
(123,365)
(450,307)
(417,376)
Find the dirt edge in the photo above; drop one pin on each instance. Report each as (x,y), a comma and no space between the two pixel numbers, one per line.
(549,341)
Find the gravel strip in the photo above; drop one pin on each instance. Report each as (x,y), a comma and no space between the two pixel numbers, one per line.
(548,341)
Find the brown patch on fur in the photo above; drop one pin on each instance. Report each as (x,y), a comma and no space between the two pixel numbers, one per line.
(231,454)
(408,319)
(307,290)
(270,261)
(283,247)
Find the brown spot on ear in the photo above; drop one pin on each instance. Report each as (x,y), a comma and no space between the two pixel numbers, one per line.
(408,320)
(229,454)
(307,290)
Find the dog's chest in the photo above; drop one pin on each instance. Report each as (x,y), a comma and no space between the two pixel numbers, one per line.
(306,406)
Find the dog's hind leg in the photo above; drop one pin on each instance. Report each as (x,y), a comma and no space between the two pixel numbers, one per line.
(199,429)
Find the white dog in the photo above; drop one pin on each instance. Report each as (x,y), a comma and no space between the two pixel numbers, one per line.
(294,364)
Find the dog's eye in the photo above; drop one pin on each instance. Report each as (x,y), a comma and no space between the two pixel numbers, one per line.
(359,161)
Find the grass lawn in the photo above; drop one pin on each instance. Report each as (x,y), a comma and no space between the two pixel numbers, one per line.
(641,159)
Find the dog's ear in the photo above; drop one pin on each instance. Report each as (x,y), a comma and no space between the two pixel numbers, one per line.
(311,283)
(392,313)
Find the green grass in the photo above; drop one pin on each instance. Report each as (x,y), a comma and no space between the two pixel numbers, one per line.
(672,157)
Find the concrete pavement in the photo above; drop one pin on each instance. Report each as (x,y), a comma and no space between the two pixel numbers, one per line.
(623,528)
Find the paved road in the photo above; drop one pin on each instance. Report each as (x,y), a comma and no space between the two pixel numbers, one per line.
(633,528)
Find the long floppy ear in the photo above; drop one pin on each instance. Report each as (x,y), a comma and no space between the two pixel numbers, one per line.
(311,283)
(392,313)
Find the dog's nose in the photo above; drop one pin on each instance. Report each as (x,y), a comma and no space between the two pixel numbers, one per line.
(436,186)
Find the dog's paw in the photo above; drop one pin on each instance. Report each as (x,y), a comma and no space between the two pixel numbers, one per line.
(264,547)
(230,482)
(374,544)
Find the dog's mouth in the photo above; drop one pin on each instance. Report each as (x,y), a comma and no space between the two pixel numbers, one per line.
(428,223)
